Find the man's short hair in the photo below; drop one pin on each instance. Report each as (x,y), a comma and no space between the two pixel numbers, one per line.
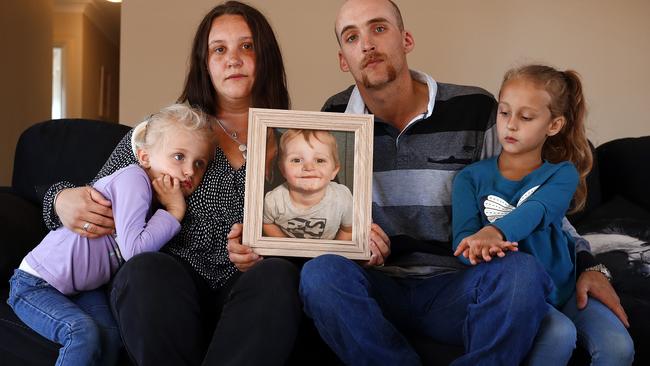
(396,12)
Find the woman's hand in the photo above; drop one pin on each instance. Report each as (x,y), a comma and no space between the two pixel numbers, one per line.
(242,256)
(596,285)
(85,211)
(169,194)
(484,245)
(379,247)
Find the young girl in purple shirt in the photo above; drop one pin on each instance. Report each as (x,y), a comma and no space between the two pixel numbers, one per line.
(56,289)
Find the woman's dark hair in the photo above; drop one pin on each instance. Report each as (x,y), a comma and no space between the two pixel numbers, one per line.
(270,87)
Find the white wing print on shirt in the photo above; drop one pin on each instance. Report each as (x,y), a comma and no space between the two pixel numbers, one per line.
(496,207)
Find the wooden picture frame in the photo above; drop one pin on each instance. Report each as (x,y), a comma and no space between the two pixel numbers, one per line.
(259,121)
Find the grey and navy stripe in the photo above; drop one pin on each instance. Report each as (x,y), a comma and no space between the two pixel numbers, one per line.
(413,171)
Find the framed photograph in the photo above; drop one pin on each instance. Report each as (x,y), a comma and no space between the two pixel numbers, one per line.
(310,192)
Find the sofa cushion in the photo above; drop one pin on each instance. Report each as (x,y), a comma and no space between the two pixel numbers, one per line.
(624,169)
(22,228)
(19,345)
(65,149)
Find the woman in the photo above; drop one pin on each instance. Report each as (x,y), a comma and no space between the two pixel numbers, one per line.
(190,304)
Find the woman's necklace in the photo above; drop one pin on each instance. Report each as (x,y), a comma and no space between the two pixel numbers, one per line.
(233,136)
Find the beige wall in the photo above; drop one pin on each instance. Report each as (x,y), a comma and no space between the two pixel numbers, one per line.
(100,74)
(25,73)
(463,41)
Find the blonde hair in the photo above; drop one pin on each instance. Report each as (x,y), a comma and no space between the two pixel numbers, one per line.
(567,100)
(321,135)
(154,129)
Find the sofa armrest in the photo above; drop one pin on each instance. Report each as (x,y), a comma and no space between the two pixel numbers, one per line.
(21,228)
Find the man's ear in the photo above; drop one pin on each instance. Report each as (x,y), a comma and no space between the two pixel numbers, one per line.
(556,126)
(143,158)
(343,64)
(408,41)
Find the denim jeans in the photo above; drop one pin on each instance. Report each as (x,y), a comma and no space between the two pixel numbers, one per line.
(596,328)
(493,309)
(82,324)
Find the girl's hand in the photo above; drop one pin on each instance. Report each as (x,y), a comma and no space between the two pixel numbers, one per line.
(85,211)
(242,256)
(169,194)
(484,245)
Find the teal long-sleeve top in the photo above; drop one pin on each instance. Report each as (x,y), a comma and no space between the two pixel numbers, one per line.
(528,211)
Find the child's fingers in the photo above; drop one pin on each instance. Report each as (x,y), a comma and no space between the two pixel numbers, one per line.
(510,246)
(176,183)
(485,253)
(497,251)
(462,247)
(167,181)
(473,257)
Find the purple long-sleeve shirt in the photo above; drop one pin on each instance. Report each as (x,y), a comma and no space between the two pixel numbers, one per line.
(72,263)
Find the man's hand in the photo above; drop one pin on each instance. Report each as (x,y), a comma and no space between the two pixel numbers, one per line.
(242,256)
(379,247)
(483,245)
(596,285)
(84,207)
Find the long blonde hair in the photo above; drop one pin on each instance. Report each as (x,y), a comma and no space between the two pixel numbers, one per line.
(567,100)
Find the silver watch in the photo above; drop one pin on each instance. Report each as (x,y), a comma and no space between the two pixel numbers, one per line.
(602,269)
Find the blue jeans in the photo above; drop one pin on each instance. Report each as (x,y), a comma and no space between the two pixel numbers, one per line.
(596,328)
(82,324)
(494,310)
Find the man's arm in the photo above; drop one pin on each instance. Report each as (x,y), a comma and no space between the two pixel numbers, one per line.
(592,283)
(491,145)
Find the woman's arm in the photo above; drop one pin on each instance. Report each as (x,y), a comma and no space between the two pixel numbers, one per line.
(73,208)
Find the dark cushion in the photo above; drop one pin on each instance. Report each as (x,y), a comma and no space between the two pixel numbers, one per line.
(624,169)
(19,345)
(22,228)
(65,149)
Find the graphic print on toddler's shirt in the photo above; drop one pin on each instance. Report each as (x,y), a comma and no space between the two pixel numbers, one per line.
(310,228)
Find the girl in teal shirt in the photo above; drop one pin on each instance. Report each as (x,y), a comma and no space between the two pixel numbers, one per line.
(517,201)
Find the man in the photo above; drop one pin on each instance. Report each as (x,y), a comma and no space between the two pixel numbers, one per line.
(425,132)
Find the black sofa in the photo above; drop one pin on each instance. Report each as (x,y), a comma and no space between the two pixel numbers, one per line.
(74,150)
